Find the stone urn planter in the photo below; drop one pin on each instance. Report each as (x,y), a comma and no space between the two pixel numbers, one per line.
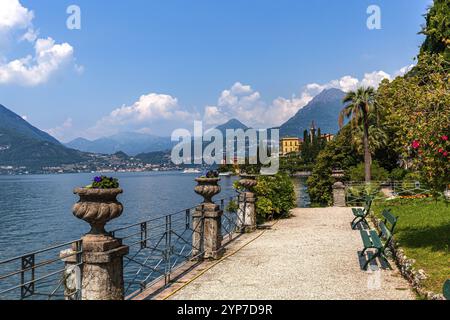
(97,207)
(207,188)
(338,174)
(248,181)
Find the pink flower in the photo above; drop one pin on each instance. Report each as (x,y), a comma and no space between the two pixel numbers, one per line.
(445,153)
(441,150)
(416,144)
(444,138)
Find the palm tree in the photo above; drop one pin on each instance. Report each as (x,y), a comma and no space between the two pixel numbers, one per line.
(359,105)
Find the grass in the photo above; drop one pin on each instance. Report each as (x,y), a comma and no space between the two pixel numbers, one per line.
(423,232)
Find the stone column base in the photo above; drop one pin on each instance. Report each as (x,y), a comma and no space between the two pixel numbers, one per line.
(339,195)
(247,212)
(102,276)
(212,230)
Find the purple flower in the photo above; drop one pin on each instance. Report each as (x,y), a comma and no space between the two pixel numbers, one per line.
(98,179)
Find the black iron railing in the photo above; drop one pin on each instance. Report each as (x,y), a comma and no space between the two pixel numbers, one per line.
(158,247)
(356,192)
(43,273)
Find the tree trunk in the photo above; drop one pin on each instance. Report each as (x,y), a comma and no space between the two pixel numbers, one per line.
(367,155)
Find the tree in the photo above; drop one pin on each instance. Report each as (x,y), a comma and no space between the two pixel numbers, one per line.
(360,104)
(437,29)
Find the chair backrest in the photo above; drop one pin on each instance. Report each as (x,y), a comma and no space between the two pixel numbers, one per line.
(385,233)
(368,204)
(390,219)
(447,289)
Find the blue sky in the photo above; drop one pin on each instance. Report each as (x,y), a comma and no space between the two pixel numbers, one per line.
(152,66)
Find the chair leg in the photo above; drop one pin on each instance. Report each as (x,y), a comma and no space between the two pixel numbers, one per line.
(355,223)
(365,221)
(376,255)
(363,252)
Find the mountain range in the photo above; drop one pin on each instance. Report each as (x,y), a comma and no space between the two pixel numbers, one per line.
(132,143)
(323,109)
(22,144)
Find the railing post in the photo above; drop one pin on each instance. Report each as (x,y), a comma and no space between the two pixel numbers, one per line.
(102,254)
(211,214)
(339,194)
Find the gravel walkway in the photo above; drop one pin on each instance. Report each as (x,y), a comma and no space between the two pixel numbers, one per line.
(313,255)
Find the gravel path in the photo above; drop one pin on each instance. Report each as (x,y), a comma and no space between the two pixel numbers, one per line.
(313,255)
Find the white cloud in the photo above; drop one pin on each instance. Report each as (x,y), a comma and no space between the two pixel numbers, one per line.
(31,71)
(403,70)
(14,16)
(49,56)
(62,131)
(31,35)
(245,104)
(151,109)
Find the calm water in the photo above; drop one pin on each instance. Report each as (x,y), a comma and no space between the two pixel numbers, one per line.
(35,211)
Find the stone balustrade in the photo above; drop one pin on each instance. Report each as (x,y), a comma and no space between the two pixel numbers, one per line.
(102,269)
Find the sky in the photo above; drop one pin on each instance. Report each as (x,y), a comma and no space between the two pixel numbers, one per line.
(152,66)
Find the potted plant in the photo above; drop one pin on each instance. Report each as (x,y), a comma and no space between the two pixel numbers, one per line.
(98,204)
(208,186)
(248,181)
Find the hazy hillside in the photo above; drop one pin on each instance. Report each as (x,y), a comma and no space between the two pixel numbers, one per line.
(21,144)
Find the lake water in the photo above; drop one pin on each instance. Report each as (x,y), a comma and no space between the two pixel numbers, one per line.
(35,211)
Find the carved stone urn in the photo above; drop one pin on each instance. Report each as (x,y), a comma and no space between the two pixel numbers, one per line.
(338,174)
(207,188)
(97,207)
(248,181)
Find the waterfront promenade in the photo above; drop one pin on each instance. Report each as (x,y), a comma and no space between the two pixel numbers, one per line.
(313,255)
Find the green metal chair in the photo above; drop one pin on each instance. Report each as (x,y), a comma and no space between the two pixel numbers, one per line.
(379,241)
(447,289)
(362,214)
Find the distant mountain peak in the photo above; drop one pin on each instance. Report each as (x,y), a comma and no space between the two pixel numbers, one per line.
(12,121)
(323,110)
(232,124)
(25,145)
(327,95)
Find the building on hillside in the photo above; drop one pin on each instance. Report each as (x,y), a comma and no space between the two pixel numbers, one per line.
(327,137)
(290,145)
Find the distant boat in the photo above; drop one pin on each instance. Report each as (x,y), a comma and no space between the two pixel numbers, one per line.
(191,171)
(225,174)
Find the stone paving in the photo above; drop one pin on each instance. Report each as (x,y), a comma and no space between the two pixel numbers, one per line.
(311,256)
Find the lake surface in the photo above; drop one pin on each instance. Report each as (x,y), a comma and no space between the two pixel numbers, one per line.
(35,211)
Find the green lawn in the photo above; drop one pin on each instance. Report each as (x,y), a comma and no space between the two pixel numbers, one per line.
(423,231)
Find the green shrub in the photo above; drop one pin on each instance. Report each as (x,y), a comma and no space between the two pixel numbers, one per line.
(398,174)
(275,195)
(378,173)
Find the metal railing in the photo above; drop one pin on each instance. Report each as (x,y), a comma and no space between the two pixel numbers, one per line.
(356,192)
(158,247)
(43,273)
(161,246)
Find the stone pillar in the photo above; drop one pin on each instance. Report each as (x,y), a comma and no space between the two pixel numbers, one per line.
(339,195)
(207,221)
(197,233)
(102,275)
(247,212)
(212,231)
(247,209)
(102,254)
